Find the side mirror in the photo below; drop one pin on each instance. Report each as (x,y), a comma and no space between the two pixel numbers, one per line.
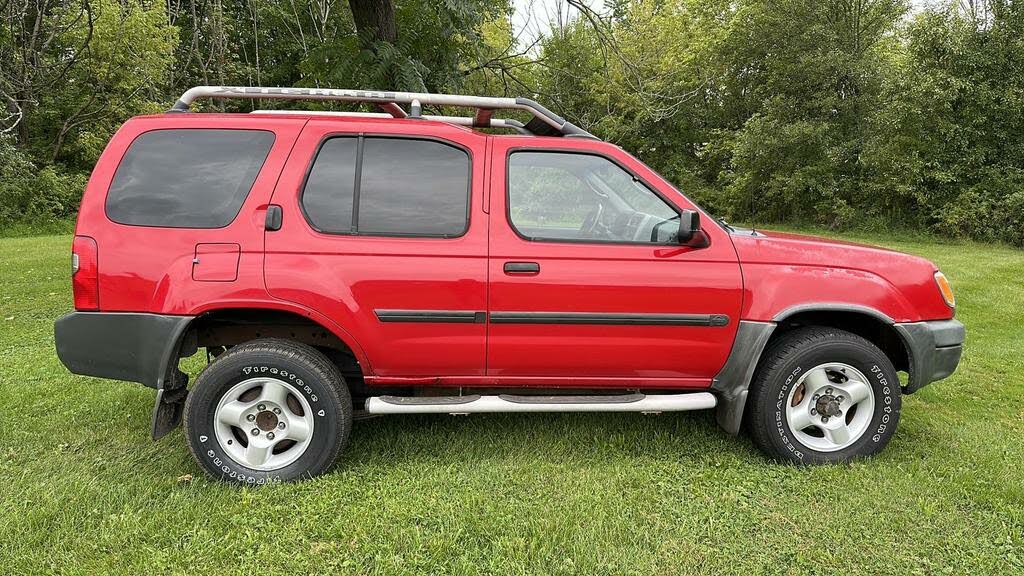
(689,225)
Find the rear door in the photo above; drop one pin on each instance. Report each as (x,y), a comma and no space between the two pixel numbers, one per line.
(584,289)
(381,233)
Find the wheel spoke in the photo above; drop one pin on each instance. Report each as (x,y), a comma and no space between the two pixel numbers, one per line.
(298,429)
(231,413)
(799,417)
(274,391)
(855,390)
(257,453)
(838,434)
(816,379)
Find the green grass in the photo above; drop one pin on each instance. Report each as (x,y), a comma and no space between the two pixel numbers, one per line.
(83,489)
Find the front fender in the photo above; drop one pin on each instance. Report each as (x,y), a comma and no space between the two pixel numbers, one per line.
(774,291)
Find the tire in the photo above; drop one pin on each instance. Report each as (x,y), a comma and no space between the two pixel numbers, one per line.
(813,376)
(268,410)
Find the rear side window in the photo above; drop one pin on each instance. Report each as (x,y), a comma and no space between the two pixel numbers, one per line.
(392,186)
(188,178)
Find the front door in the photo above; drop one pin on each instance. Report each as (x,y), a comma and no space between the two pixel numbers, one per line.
(584,288)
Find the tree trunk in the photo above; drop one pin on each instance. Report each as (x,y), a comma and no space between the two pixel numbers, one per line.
(375,21)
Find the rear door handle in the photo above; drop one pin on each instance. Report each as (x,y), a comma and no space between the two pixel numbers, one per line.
(274,217)
(522,268)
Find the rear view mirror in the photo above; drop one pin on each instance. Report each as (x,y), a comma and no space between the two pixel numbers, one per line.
(689,225)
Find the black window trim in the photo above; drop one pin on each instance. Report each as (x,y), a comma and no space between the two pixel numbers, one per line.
(361,136)
(245,198)
(637,177)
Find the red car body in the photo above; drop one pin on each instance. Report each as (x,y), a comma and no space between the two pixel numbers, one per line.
(339,282)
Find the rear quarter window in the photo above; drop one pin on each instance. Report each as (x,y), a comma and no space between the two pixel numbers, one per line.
(187,178)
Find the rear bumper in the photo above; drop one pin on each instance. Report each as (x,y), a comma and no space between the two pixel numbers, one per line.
(120,345)
(935,348)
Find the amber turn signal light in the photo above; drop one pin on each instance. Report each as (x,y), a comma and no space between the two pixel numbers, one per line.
(945,289)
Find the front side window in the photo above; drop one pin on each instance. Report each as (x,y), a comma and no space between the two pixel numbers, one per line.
(392,186)
(187,178)
(582,197)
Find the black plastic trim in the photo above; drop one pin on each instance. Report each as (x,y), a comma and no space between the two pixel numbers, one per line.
(832,307)
(433,316)
(614,319)
(731,384)
(934,350)
(129,346)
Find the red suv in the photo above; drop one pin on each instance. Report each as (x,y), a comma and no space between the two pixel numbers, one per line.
(339,265)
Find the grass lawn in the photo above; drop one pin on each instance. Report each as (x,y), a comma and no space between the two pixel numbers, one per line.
(84,490)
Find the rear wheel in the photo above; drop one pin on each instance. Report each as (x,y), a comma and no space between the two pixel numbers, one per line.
(268,410)
(823,395)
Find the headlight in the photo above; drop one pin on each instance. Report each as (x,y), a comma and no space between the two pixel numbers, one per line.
(945,289)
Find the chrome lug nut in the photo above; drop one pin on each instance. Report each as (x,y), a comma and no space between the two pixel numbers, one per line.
(815,397)
(824,419)
(262,407)
(251,417)
(828,390)
(280,425)
(814,412)
(277,410)
(270,435)
(255,431)
(839,398)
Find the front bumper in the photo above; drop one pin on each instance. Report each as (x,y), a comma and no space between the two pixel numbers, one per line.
(120,345)
(935,348)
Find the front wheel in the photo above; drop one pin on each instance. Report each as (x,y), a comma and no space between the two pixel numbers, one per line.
(268,410)
(823,395)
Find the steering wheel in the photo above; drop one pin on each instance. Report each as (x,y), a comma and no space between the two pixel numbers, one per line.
(592,226)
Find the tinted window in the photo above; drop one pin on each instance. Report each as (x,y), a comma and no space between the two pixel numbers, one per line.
(406,187)
(187,178)
(416,187)
(572,196)
(329,192)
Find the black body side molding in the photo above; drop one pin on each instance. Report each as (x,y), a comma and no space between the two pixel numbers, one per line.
(615,319)
(435,316)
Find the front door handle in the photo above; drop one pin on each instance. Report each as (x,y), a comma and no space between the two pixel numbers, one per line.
(522,268)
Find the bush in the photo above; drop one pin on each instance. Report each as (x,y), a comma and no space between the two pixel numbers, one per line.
(32,196)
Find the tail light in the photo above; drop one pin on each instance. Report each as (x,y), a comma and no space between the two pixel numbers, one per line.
(85,273)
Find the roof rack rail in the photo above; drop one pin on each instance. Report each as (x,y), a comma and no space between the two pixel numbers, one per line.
(543,123)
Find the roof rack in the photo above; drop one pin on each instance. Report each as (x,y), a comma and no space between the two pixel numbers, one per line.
(543,123)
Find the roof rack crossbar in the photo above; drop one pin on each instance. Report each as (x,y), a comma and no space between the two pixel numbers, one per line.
(388,101)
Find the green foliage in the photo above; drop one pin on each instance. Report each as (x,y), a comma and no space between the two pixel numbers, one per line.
(838,113)
(842,114)
(30,195)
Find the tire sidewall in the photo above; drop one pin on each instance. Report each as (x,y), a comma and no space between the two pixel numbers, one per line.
(222,375)
(884,384)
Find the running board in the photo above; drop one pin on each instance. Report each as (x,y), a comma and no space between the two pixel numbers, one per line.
(476,404)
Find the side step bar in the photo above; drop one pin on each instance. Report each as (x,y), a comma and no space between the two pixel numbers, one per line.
(476,404)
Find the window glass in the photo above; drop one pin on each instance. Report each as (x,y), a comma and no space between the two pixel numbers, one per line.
(572,196)
(188,178)
(330,188)
(406,187)
(413,187)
